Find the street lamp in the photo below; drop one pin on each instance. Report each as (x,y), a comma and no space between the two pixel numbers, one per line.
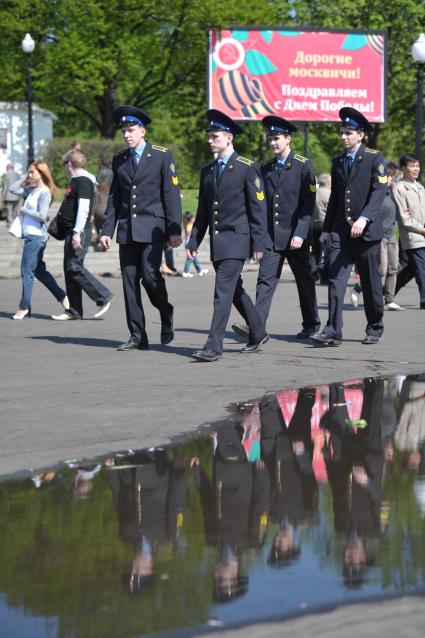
(28,46)
(418,54)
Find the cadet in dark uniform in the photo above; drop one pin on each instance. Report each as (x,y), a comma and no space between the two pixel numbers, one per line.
(353,228)
(232,206)
(290,187)
(144,200)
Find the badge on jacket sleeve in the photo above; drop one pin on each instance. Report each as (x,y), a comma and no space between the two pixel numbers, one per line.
(174,177)
(259,187)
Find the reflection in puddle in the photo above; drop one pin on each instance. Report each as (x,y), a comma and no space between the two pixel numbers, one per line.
(305,499)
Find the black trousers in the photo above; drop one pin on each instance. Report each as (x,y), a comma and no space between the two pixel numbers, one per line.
(140,264)
(229,289)
(366,256)
(415,268)
(78,278)
(268,278)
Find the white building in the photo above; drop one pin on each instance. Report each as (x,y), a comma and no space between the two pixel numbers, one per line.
(14,133)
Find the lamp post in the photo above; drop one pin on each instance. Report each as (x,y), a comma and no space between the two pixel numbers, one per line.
(28,46)
(418,54)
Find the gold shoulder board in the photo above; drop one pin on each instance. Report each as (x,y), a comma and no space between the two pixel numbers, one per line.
(163,149)
(371,150)
(244,160)
(382,179)
(300,158)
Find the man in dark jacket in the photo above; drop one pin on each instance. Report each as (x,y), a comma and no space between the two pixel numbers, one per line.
(144,201)
(232,206)
(290,187)
(353,228)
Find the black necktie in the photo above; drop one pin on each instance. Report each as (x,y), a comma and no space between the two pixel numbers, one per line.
(134,159)
(218,170)
(348,162)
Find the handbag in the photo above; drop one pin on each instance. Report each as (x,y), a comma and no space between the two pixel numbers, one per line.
(16,227)
(56,228)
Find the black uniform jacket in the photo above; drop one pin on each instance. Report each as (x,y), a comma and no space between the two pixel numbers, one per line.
(145,203)
(234,210)
(359,195)
(290,195)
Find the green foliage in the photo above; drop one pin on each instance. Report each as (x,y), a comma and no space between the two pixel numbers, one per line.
(92,55)
(99,153)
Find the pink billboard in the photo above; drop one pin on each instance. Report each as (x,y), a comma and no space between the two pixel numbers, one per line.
(301,75)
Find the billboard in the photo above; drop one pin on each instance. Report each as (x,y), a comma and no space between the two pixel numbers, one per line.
(303,75)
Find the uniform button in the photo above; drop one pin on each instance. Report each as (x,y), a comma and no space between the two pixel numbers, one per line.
(215,203)
(134,205)
(277,195)
(276,205)
(216,221)
(216,212)
(134,186)
(348,199)
(276,223)
(216,232)
(134,196)
(348,210)
(276,214)
(134,215)
(348,192)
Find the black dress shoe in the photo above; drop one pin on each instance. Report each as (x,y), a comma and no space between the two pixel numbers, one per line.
(132,345)
(255,347)
(371,339)
(167,333)
(306,333)
(206,355)
(241,329)
(325,340)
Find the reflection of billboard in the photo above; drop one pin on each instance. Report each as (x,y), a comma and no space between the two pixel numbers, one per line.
(301,75)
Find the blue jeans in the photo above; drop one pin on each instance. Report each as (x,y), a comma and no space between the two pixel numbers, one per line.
(195,262)
(32,265)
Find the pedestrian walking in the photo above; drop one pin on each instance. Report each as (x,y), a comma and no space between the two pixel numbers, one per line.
(232,207)
(353,228)
(75,214)
(144,204)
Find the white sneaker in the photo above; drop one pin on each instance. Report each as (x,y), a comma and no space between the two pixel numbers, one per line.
(187,274)
(354,298)
(393,306)
(103,309)
(66,316)
(203,272)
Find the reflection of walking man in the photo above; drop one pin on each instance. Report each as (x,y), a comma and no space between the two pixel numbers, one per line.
(232,206)
(290,187)
(144,202)
(353,228)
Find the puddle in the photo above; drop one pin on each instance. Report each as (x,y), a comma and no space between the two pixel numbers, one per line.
(304,500)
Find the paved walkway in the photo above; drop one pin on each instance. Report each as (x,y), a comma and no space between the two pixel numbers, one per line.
(67,393)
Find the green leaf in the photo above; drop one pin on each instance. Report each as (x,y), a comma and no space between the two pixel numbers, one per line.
(258,64)
(267,36)
(354,41)
(241,36)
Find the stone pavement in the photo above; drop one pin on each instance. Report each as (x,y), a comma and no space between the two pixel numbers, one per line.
(67,393)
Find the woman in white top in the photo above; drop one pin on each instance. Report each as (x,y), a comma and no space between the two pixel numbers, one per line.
(37,187)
